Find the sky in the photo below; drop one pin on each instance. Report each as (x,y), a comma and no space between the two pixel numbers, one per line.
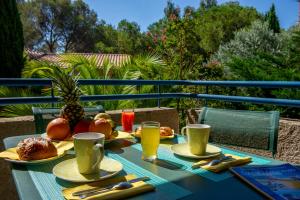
(146,12)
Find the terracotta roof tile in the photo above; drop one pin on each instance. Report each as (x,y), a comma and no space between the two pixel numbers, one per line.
(116,59)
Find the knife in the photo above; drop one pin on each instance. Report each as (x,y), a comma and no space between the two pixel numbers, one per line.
(82,192)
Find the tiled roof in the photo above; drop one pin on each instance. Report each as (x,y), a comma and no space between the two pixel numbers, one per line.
(115,59)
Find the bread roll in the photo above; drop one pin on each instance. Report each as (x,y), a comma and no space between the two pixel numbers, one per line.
(36,149)
(166,131)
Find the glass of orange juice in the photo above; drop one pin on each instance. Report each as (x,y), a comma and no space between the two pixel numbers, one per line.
(150,138)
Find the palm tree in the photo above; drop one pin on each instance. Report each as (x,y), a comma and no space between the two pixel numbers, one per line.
(147,67)
(19,109)
(143,67)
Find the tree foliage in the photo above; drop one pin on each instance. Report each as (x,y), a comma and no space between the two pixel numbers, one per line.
(58,25)
(207,4)
(130,39)
(186,42)
(272,19)
(11,40)
(251,41)
(218,24)
(258,54)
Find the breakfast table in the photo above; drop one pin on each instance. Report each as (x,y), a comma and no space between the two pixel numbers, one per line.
(172,175)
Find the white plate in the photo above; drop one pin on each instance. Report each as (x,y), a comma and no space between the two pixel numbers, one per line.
(68,171)
(183,150)
(32,162)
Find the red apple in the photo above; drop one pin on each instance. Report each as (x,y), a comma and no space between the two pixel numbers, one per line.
(101,126)
(82,126)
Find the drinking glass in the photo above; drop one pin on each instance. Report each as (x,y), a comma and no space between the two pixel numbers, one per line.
(150,138)
(127,120)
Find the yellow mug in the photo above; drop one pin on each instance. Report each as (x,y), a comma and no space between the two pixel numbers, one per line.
(89,150)
(197,137)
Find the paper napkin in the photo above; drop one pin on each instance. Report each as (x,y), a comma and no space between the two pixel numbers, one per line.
(138,188)
(226,164)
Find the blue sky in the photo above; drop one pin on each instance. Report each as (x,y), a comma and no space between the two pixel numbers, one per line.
(145,12)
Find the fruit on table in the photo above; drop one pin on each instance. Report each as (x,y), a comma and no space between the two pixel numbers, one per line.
(112,123)
(114,133)
(58,129)
(82,126)
(102,115)
(70,92)
(101,126)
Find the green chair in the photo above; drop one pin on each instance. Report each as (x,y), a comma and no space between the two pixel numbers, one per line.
(254,129)
(43,115)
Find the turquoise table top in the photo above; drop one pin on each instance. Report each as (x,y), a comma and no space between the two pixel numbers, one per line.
(172,176)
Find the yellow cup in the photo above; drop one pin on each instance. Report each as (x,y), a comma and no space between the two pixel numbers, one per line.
(89,149)
(150,137)
(197,137)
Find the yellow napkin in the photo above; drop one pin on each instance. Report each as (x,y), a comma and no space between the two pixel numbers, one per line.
(121,135)
(236,160)
(62,147)
(138,188)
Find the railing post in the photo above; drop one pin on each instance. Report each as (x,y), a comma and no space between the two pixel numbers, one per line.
(52,93)
(206,92)
(158,99)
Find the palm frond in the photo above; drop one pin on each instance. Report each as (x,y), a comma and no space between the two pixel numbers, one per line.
(17,110)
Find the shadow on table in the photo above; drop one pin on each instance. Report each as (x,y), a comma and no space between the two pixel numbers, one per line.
(170,141)
(116,147)
(187,159)
(168,164)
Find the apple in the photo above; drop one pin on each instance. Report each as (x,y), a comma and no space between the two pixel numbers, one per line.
(102,115)
(82,126)
(101,126)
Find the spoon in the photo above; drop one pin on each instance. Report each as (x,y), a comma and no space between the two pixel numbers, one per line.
(217,161)
(120,186)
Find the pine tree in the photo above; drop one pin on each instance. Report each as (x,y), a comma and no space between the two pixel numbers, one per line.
(206,4)
(11,40)
(272,19)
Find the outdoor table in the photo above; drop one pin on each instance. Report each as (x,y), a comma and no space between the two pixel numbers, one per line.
(172,175)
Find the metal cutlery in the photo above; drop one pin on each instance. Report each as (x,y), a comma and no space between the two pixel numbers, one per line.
(213,162)
(217,161)
(121,185)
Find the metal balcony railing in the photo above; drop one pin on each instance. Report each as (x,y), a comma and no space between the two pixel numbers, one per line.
(20,82)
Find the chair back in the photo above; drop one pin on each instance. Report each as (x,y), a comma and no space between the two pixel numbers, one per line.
(42,116)
(254,129)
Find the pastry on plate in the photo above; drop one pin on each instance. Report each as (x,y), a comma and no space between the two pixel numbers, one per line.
(164,132)
(36,149)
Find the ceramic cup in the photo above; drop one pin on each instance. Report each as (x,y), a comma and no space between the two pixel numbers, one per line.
(197,137)
(89,149)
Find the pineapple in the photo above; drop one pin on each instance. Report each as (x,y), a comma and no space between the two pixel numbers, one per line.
(70,92)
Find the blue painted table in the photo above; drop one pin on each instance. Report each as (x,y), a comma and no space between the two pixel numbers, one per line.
(172,175)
